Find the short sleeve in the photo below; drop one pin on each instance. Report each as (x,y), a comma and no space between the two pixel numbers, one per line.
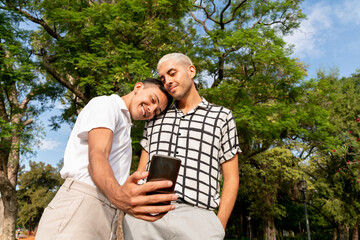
(229,139)
(99,112)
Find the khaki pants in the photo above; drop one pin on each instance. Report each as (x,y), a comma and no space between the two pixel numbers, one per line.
(78,211)
(184,223)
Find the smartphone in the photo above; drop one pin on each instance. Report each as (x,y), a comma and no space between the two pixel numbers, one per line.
(163,167)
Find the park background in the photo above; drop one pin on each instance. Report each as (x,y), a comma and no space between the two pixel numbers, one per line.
(296,108)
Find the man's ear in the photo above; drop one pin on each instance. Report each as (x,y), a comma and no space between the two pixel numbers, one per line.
(138,86)
(192,71)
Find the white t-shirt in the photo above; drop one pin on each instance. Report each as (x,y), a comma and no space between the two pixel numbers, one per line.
(108,112)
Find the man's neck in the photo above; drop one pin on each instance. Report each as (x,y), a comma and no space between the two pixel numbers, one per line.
(127,99)
(189,102)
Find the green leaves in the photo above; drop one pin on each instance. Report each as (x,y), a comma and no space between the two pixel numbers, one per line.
(271,172)
(105,46)
(94,49)
(36,189)
(336,182)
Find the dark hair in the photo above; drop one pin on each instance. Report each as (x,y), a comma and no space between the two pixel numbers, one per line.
(158,83)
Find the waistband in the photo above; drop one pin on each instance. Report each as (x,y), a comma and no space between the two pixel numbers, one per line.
(77,185)
(182,201)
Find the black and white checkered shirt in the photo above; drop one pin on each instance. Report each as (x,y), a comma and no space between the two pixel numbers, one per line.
(203,139)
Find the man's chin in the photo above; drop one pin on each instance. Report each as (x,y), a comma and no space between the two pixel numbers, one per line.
(177,97)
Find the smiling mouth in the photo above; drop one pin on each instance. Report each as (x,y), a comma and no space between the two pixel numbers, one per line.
(173,88)
(143,110)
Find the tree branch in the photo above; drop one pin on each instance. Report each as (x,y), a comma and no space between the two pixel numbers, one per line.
(278,21)
(260,150)
(234,12)
(26,100)
(41,22)
(208,16)
(222,15)
(27,122)
(319,165)
(199,21)
(257,22)
(60,79)
(310,151)
(274,22)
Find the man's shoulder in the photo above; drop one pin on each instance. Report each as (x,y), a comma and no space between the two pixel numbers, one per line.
(218,108)
(167,117)
(169,113)
(112,97)
(106,100)
(105,103)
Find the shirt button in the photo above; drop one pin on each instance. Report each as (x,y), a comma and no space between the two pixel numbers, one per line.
(177,152)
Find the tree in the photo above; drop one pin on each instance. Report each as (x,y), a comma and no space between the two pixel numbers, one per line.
(19,85)
(1,216)
(35,190)
(332,167)
(243,38)
(276,175)
(102,47)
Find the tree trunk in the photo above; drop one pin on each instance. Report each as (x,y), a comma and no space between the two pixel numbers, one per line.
(10,213)
(1,216)
(10,146)
(355,232)
(279,233)
(269,228)
(343,232)
(8,181)
(14,157)
(335,235)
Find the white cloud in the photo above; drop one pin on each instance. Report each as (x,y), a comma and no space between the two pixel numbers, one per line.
(48,144)
(325,20)
(313,31)
(348,12)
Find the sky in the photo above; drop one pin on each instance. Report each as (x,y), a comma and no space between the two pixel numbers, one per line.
(328,39)
(330,36)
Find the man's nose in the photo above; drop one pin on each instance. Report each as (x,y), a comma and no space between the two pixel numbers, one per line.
(151,110)
(168,81)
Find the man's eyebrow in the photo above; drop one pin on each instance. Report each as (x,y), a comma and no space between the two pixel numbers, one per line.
(168,72)
(171,69)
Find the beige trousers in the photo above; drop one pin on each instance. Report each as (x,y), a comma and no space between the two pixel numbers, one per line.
(184,223)
(78,211)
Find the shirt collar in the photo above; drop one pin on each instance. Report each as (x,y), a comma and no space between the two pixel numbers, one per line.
(124,109)
(203,104)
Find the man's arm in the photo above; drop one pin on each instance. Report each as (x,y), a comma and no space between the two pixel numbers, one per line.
(143,160)
(230,189)
(129,197)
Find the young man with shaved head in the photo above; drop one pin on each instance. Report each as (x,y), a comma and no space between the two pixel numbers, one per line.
(204,137)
